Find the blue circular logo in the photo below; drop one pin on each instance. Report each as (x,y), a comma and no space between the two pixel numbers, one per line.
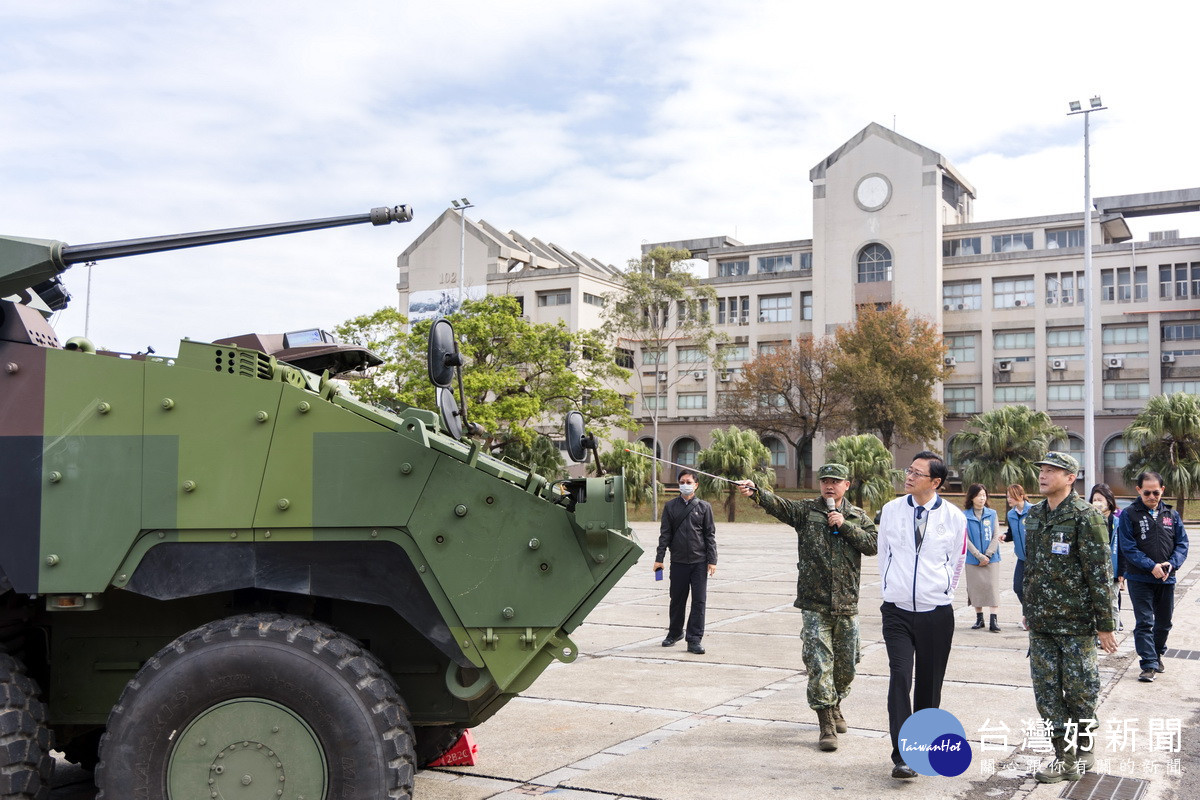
(934,742)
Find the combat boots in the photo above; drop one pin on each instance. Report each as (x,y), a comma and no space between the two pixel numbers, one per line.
(1062,768)
(839,722)
(828,740)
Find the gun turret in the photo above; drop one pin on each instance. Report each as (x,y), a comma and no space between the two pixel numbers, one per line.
(26,263)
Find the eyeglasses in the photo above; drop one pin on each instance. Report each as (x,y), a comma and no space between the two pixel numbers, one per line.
(1152,493)
(913,473)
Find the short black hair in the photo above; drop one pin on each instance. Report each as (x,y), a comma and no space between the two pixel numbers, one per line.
(937,467)
(691,472)
(1151,476)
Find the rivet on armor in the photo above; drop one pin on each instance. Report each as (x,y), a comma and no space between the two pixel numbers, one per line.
(304,407)
(460,510)
(104,408)
(405,468)
(52,560)
(283,504)
(189,486)
(168,404)
(55,477)
(534,544)
(262,416)
(508,613)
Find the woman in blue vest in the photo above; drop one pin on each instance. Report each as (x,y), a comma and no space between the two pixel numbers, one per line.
(1018,509)
(1104,502)
(983,556)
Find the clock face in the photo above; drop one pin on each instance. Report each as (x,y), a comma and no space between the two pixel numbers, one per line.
(873,192)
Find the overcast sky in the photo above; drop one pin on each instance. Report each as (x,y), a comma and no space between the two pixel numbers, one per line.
(595,125)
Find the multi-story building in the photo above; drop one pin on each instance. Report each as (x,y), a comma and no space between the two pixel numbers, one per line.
(892,223)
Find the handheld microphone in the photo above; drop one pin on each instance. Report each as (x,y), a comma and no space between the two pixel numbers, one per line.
(831,504)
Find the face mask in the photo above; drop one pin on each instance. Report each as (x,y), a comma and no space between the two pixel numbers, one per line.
(1100,505)
(686,489)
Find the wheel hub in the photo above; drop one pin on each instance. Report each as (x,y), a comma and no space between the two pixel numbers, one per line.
(247,749)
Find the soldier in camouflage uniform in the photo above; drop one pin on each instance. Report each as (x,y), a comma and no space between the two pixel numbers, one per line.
(1068,603)
(831,537)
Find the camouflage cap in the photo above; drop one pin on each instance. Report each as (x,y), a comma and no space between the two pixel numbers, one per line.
(1060,460)
(838,471)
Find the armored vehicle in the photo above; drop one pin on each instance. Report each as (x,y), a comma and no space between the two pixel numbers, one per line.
(222,577)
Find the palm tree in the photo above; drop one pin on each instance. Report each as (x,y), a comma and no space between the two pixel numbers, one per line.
(627,458)
(1165,438)
(1005,443)
(737,455)
(872,474)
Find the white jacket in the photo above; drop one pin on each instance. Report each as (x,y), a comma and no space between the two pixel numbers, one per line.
(921,579)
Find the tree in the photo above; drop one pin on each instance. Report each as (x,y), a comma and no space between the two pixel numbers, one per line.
(1165,438)
(790,392)
(736,455)
(539,454)
(999,447)
(636,468)
(517,375)
(888,364)
(873,477)
(660,303)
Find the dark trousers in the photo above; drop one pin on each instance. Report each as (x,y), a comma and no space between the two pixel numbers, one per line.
(1153,607)
(923,637)
(1019,583)
(685,578)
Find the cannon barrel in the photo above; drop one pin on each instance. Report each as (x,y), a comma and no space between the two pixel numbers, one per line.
(29,262)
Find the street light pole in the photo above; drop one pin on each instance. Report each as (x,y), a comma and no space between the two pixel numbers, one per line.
(462,244)
(1090,299)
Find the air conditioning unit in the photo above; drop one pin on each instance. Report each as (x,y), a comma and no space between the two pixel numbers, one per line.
(1114,363)
(662,377)
(1051,301)
(1058,364)
(950,361)
(1004,365)
(698,375)
(741,340)
(945,307)
(725,377)
(762,317)
(1016,302)
(1168,358)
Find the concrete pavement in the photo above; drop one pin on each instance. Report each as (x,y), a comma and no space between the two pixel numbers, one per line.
(632,719)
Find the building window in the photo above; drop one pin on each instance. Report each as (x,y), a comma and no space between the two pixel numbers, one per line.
(653,402)
(1064,392)
(1179,333)
(1126,391)
(770,348)
(593,299)
(733,310)
(1173,387)
(806,305)
(962,295)
(559,298)
(1064,238)
(1012,292)
(775,263)
(1012,242)
(1116,454)
(651,356)
(805,264)
(1064,337)
(1014,394)
(694,308)
(728,269)
(1014,340)
(690,355)
(874,264)
(691,400)
(624,358)
(1072,446)
(1178,282)
(961,247)
(959,399)
(735,352)
(778,451)
(775,308)
(1064,288)
(685,452)
(1127,334)
(961,347)
(1141,287)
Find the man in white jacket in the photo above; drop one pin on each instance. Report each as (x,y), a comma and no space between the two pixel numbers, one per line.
(922,547)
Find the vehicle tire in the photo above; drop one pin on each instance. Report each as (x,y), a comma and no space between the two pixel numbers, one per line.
(26,765)
(266,701)
(433,741)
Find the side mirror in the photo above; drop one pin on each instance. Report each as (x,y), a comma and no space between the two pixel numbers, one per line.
(451,416)
(576,447)
(443,353)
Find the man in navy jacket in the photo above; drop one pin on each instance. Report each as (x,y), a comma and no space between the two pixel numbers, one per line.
(1154,544)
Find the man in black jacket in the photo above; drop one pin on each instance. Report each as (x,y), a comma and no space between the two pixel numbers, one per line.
(1151,538)
(689,532)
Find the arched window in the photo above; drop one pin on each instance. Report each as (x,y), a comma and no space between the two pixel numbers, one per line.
(778,451)
(685,452)
(649,443)
(1073,446)
(874,264)
(1116,456)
